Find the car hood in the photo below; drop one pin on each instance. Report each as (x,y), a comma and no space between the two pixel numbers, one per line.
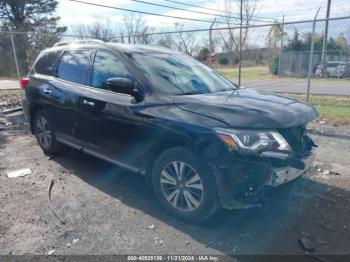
(248,108)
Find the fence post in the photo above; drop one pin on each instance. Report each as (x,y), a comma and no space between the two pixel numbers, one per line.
(279,55)
(311,57)
(15,56)
(211,41)
(240,45)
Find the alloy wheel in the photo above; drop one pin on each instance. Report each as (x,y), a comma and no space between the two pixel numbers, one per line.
(43,132)
(182,186)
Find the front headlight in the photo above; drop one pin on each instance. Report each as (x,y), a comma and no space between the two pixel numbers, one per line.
(253,140)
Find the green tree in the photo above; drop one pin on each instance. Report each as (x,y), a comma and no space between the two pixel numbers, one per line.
(203,54)
(28,14)
(295,44)
(224,61)
(37,20)
(273,65)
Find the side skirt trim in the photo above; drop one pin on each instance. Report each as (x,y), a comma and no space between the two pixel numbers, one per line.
(101,156)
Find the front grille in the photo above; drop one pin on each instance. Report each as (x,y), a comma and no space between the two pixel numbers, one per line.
(297,139)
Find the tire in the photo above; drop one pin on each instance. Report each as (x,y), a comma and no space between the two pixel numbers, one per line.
(194,198)
(45,134)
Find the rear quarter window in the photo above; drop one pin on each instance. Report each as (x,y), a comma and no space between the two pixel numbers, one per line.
(46,63)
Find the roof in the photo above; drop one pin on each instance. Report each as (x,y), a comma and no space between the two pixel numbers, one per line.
(125,48)
(137,48)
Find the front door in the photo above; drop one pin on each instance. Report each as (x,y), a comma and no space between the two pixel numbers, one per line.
(112,127)
(67,85)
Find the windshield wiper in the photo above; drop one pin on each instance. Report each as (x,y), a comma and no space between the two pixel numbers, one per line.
(191,93)
(234,90)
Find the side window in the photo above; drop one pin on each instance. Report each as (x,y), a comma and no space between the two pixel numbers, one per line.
(106,66)
(73,66)
(46,63)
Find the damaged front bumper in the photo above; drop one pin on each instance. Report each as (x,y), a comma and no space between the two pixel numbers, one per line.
(283,175)
(242,184)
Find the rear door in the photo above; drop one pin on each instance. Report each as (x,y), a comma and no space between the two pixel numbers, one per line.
(65,92)
(39,88)
(112,126)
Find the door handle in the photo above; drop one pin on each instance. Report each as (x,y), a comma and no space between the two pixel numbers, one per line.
(88,103)
(47,91)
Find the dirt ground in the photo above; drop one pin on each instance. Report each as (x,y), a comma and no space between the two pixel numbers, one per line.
(110,211)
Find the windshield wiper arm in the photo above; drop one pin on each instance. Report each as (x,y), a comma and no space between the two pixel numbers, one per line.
(191,93)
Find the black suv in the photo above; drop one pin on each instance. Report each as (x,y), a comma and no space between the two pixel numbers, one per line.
(200,140)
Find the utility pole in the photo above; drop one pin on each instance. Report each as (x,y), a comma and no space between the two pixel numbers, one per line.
(311,56)
(279,55)
(211,49)
(325,37)
(240,46)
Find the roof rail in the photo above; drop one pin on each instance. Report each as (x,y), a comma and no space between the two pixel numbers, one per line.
(83,41)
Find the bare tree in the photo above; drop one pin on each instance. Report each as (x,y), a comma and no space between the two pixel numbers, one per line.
(182,41)
(100,29)
(136,30)
(231,39)
(165,40)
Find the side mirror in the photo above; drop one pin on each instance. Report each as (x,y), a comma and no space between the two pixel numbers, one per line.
(121,85)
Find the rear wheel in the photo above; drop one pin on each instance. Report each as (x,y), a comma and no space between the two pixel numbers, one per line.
(184,185)
(44,133)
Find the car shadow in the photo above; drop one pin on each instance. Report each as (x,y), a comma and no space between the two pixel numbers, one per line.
(308,209)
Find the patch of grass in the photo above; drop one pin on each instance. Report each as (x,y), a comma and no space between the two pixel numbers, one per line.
(333,110)
(8,78)
(256,72)
(263,73)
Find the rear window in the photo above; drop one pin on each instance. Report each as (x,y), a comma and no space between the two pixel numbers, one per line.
(46,63)
(73,66)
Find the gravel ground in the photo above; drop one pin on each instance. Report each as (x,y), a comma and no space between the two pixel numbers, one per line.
(110,211)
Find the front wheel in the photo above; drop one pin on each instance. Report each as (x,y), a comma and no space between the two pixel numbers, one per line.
(184,185)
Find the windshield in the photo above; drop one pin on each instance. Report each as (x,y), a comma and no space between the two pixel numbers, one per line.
(180,74)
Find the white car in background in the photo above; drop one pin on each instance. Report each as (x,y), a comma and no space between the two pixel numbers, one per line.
(334,69)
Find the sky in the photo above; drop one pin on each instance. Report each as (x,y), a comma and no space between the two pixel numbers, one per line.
(73,14)
(77,13)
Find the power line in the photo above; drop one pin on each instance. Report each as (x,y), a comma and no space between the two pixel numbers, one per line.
(141,12)
(192,5)
(178,8)
(236,15)
(256,18)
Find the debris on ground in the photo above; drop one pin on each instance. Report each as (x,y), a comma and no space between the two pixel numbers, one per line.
(158,241)
(326,172)
(150,227)
(51,206)
(76,240)
(50,157)
(19,172)
(306,244)
(51,252)
(324,225)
